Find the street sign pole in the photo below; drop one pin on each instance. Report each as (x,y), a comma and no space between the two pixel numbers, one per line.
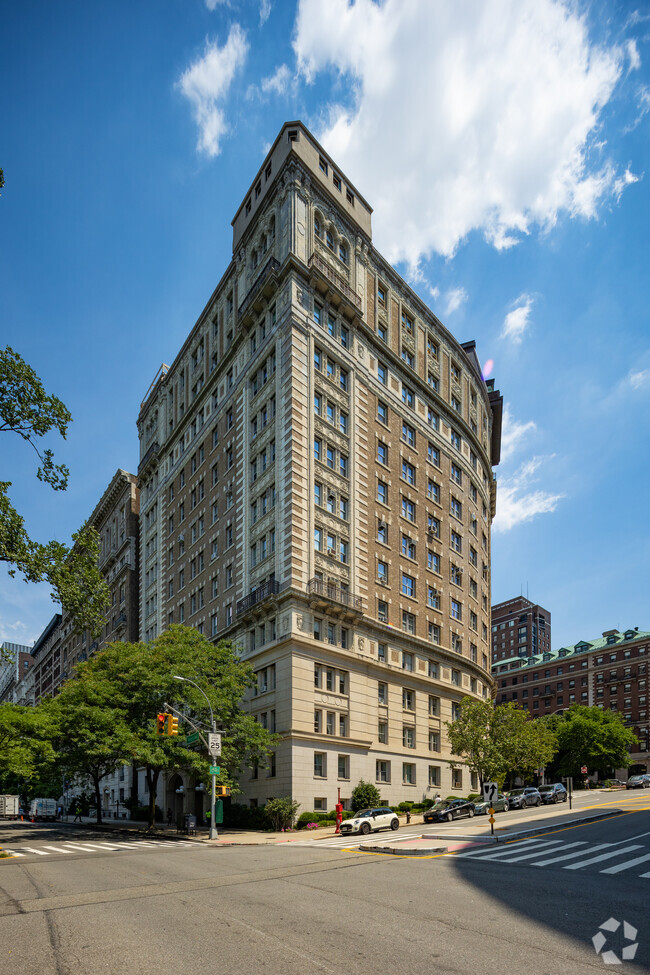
(490,793)
(214,833)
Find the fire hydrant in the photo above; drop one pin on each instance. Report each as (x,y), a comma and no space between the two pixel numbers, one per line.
(339,816)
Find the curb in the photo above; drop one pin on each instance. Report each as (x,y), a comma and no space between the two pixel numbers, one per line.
(404,853)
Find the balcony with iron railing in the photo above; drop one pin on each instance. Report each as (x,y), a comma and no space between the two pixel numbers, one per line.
(267,589)
(318,263)
(327,592)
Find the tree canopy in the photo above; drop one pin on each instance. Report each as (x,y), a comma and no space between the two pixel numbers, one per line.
(27,410)
(495,742)
(132,682)
(590,736)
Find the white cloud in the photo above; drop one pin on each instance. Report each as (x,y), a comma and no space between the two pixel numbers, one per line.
(517,321)
(455,297)
(504,101)
(278,82)
(206,83)
(265,11)
(213,4)
(639,379)
(623,182)
(633,55)
(513,433)
(516,503)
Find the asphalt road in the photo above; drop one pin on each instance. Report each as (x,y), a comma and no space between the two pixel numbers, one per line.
(197,909)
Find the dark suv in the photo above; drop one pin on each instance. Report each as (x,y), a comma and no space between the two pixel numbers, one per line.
(519,798)
(553,793)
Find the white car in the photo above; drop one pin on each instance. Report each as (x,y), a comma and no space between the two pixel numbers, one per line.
(369,820)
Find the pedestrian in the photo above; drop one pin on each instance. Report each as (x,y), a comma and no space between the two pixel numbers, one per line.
(408,816)
(59,812)
(77,813)
(170,816)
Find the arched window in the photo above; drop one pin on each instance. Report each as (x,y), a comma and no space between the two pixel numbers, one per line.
(272,229)
(318,230)
(343,253)
(329,240)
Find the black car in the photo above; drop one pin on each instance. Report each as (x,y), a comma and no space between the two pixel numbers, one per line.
(553,793)
(448,809)
(519,798)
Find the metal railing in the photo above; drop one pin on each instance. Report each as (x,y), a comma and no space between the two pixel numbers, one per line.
(335,593)
(337,279)
(269,588)
(271,265)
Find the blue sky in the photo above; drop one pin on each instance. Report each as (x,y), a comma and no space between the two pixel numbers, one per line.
(503,145)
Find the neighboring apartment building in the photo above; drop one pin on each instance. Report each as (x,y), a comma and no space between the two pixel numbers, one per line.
(519,628)
(316,485)
(15,661)
(609,672)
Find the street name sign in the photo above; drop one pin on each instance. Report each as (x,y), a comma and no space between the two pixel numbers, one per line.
(192,738)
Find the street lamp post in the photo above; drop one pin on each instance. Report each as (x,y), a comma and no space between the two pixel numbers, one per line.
(213,834)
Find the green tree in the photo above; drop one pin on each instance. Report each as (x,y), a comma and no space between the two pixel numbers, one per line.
(282,812)
(364,794)
(25,742)
(89,735)
(137,680)
(592,737)
(27,410)
(499,741)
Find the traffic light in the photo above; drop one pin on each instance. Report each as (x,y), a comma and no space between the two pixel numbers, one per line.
(172,725)
(222,790)
(160,730)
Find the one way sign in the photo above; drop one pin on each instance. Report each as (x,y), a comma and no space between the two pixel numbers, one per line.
(490,792)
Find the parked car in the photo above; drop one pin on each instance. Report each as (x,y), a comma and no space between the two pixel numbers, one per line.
(500,804)
(553,793)
(370,820)
(519,798)
(638,782)
(448,809)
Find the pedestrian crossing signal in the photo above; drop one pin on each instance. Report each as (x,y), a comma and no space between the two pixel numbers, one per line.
(172,725)
(222,790)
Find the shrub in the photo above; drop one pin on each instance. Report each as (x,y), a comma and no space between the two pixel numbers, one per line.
(364,794)
(281,812)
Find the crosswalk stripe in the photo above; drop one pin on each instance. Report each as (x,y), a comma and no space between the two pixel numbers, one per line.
(57,849)
(530,856)
(627,864)
(510,850)
(32,850)
(603,856)
(14,853)
(507,855)
(84,847)
(572,856)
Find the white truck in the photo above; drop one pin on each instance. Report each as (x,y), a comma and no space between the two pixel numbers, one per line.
(42,809)
(9,807)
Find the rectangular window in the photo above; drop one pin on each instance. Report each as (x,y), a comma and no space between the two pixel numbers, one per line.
(382,693)
(382,611)
(434,741)
(408,737)
(433,561)
(383,771)
(434,775)
(382,732)
(408,585)
(382,412)
(382,492)
(319,765)
(408,622)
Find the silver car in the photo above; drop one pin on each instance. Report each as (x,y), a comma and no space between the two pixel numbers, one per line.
(519,798)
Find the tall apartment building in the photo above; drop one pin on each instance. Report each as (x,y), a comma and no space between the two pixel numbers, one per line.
(519,628)
(15,661)
(316,485)
(607,672)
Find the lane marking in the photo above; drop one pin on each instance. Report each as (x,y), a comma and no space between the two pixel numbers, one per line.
(572,856)
(490,854)
(603,856)
(57,849)
(39,853)
(627,864)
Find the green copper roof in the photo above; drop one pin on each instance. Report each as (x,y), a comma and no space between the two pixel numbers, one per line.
(614,638)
